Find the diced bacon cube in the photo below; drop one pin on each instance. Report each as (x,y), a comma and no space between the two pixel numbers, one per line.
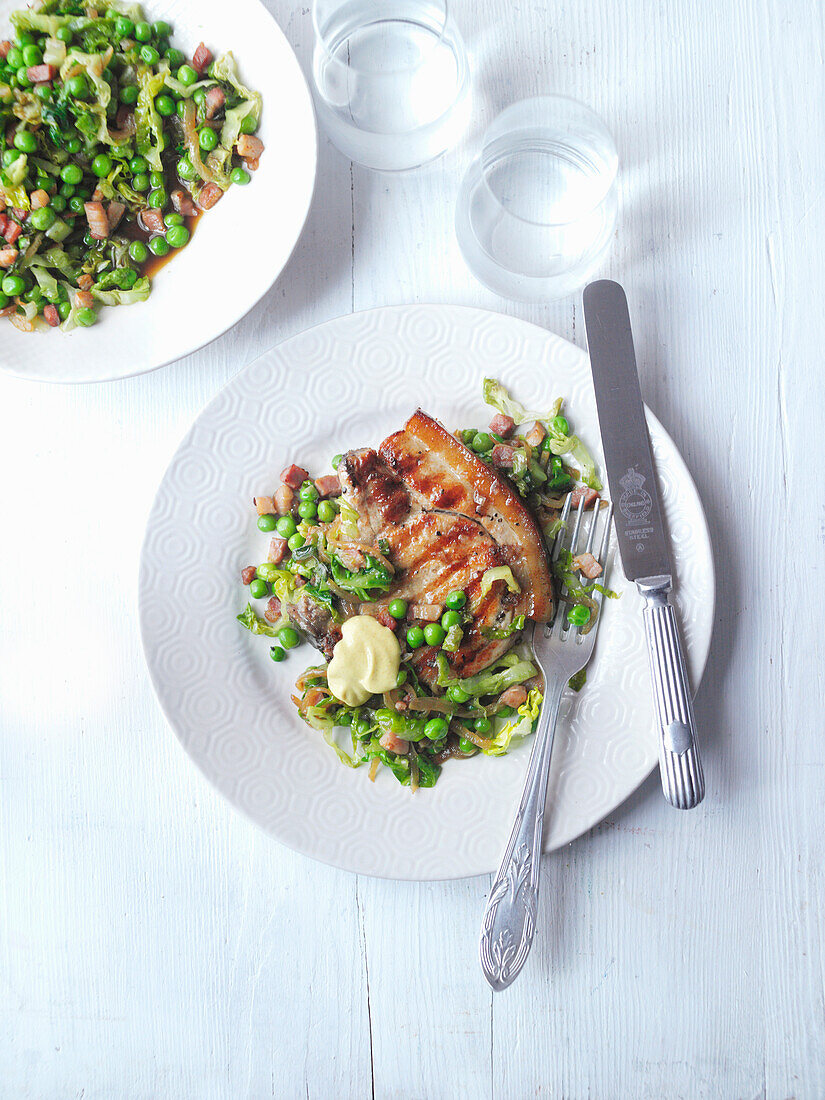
(8,256)
(248,574)
(503,425)
(5,46)
(264,505)
(152,221)
(514,696)
(294,476)
(393,743)
(39,198)
(83,299)
(41,74)
(428,612)
(52,317)
(536,435)
(283,498)
(581,491)
(208,195)
(98,222)
(12,232)
(385,619)
(503,456)
(183,203)
(201,59)
(328,485)
(278,550)
(587,564)
(250,146)
(85,281)
(215,99)
(272,611)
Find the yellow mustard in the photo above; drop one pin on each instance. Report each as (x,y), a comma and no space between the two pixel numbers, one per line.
(364,662)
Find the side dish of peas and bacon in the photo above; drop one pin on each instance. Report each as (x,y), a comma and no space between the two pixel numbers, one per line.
(112,142)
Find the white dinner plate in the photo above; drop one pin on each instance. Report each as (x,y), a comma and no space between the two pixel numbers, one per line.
(239,247)
(343,384)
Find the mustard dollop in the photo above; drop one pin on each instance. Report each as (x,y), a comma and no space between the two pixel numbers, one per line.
(364,662)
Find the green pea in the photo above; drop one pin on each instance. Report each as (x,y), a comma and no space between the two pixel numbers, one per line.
(14,58)
(343,717)
(43,219)
(560,424)
(124,26)
(248,124)
(25,141)
(308,491)
(174,57)
(65,34)
(457,694)
(77,86)
(157,199)
(466,746)
(258,589)
(199,96)
(74,145)
(9,157)
(450,618)
(397,608)
(326,511)
(102,165)
(307,510)
(434,633)
(4,300)
(455,599)
(207,139)
(177,236)
(336,461)
(156,179)
(482,725)
(128,94)
(66,190)
(187,75)
(186,170)
(64,309)
(165,105)
(436,728)
(138,252)
(149,55)
(415,637)
(138,164)
(161,28)
(86,317)
(58,203)
(12,286)
(578,615)
(285,526)
(181,108)
(77,204)
(142,32)
(276,653)
(140,182)
(32,55)
(44,92)
(265,523)
(296,541)
(482,442)
(288,637)
(240,176)
(159,246)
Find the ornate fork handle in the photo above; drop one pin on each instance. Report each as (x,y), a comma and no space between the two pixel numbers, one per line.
(510,916)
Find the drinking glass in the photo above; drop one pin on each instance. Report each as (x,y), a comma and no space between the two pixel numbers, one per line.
(537,207)
(391,79)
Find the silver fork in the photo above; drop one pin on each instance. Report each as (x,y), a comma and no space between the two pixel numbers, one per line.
(560,650)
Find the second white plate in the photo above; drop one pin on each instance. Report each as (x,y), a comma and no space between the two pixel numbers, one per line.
(343,384)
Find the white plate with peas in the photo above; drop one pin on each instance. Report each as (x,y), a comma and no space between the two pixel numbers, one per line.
(345,384)
(220,264)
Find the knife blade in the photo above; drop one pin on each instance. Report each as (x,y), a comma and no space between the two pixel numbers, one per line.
(628,457)
(640,532)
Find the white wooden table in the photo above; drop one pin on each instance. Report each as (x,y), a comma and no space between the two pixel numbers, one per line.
(148,933)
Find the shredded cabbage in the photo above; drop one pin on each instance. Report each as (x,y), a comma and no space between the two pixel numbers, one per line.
(149,126)
(116,296)
(496,394)
(91,114)
(518,727)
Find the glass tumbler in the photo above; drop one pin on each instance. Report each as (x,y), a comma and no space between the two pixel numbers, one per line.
(391,79)
(537,207)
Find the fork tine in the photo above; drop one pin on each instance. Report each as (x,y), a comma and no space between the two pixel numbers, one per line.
(592,532)
(601,557)
(559,539)
(575,536)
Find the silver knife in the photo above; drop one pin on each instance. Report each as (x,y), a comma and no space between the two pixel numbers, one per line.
(641,534)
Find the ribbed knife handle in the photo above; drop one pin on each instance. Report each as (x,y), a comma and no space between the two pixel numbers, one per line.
(683,781)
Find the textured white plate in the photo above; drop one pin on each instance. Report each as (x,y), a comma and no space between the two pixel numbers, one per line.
(346,383)
(240,247)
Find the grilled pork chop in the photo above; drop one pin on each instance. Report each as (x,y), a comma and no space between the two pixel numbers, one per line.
(444,518)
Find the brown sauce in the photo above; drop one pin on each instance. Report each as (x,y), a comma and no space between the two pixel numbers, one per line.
(134,231)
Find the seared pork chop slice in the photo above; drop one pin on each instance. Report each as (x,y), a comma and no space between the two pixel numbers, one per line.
(373,490)
(440,472)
